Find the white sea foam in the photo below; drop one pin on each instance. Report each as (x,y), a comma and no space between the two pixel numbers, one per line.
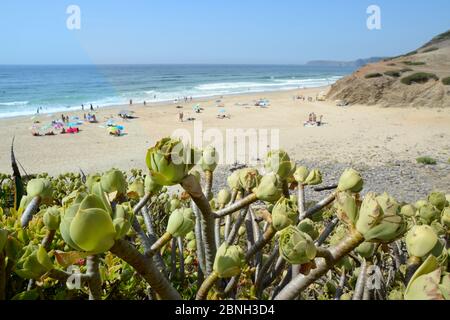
(14,103)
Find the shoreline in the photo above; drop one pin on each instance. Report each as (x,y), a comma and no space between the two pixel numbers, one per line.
(156,104)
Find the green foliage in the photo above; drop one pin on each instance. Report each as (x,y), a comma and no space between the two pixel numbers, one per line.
(393,73)
(414,63)
(420,77)
(430,49)
(373,75)
(406,70)
(426,160)
(446,81)
(373,220)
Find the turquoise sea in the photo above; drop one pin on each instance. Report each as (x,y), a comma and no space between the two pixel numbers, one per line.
(51,88)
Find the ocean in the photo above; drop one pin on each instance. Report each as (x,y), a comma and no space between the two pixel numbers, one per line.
(24,89)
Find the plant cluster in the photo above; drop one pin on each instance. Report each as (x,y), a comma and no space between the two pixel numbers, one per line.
(163,234)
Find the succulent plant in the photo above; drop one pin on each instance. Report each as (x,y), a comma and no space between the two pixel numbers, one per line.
(52,218)
(270,188)
(249,179)
(408,210)
(209,159)
(296,247)
(429,282)
(229,261)
(114,181)
(421,241)
(379,219)
(233,181)
(88,226)
(279,162)
(136,189)
(223,197)
(445,217)
(438,200)
(168,163)
(150,185)
(366,249)
(300,174)
(351,181)
(346,207)
(284,214)
(180,222)
(308,226)
(40,188)
(428,213)
(34,263)
(314,177)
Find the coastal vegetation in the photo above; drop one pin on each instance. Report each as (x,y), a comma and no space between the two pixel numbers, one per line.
(163,233)
(446,81)
(420,77)
(373,75)
(393,73)
(426,160)
(414,63)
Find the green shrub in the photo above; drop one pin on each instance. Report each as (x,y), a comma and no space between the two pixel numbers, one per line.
(393,73)
(391,64)
(446,81)
(426,160)
(373,75)
(406,70)
(430,49)
(413,63)
(420,77)
(411,53)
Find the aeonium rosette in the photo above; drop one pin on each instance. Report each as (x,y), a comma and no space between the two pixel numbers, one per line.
(169,161)
(91,225)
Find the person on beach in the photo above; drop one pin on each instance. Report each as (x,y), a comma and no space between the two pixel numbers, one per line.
(92,107)
(319,123)
(131,102)
(145,103)
(180,116)
(82,107)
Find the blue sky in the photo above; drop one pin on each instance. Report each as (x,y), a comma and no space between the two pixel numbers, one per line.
(213,31)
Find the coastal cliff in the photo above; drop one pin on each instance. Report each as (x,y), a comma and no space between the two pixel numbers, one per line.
(420,78)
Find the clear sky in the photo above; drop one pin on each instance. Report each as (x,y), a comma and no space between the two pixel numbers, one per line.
(213,31)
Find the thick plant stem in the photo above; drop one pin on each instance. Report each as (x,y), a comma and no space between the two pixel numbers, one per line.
(300,283)
(301,201)
(151,236)
(209,282)
(234,194)
(47,241)
(361,281)
(145,267)
(262,275)
(95,281)
(327,231)
(320,205)
(265,239)
(2,277)
(248,200)
(181,257)
(141,203)
(340,288)
(30,210)
(199,239)
(235,230)
(217,223)
(173,259)
(208,184)
(163,240)
(191,185)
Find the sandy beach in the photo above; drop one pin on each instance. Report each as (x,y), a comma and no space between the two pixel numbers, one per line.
(356,134)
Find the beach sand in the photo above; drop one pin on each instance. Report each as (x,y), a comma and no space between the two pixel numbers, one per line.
(352,135)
